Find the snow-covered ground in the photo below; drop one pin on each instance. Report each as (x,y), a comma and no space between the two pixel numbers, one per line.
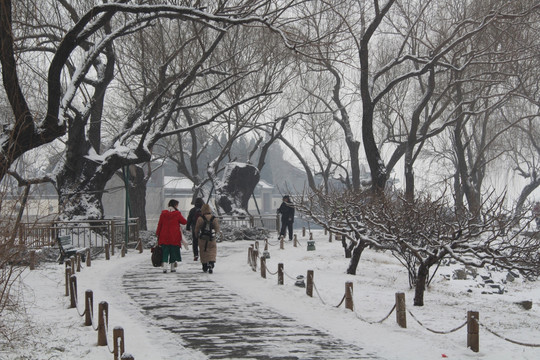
(48,329)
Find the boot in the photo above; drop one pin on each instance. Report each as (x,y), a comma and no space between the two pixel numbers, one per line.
(173,267)
(163,265)
(210,267)
(205,267)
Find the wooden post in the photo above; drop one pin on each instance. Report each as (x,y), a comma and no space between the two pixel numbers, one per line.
(265,244)
(123,251)
(257,245)
(309,284)
(88,307)
(78,259)
(73,291)
(107,255)
(295,243)
(310,235)
(303,231)
(250,249)
(281,243)
(68,274)
(263,267)
(88,258)
(330,237)
(118,337)
(401,312)
(348,296)
(32,259)
(255,256)
(139,246)
(280,274)
(73,264)
(127,356)
(103,319)
(473,338)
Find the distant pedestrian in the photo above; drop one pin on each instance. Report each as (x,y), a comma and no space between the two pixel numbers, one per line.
(170,236)
(206,229)
(193,215)
(287,216)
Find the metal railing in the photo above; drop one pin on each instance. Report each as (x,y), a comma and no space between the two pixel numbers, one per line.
(87,233)
(266,221)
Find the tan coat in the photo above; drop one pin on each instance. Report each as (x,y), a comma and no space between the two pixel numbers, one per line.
(207,249)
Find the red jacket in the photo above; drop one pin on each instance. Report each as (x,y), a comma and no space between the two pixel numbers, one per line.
(168,229)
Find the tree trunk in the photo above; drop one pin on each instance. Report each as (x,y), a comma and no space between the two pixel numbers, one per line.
(346,247)
(423,272)
(137,194)
(356,253)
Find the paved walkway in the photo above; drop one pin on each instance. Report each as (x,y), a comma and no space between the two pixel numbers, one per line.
(210,318)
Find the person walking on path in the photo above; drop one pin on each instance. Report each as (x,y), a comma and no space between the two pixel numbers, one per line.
(169,235)
(193,215)
(206,229)
(287,216)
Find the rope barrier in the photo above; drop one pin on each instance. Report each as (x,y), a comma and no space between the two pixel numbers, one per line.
(107,337)
(77,306)
(505,338)
(436,331)
(376,322)
(93,320)
(319,295)
(268,270)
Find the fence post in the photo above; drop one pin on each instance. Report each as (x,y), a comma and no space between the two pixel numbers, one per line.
(32,259)
(103,319)
(401,313)
(255,254)
(310,235)
(123,251)
(139,246)
(303,231)
(73,291)
(348,296)
(309,284)
(280,274)
(281,243)
(68,274)
(250,256)
(263,267)
(118,336)
(88,307)
(88,257)
(73,264)
(473,338)
(295,243)
(107,255)
(78,259)
(329,237)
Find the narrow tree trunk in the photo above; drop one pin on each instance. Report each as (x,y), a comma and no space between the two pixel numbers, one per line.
(356,253)
(423,272)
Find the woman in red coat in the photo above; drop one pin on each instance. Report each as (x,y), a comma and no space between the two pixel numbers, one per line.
(169,235)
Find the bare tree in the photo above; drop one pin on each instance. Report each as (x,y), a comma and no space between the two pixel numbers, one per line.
(422,233)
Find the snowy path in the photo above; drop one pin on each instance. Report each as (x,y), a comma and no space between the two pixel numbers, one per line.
(212,319)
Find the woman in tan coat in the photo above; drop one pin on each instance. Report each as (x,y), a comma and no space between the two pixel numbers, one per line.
(206,228)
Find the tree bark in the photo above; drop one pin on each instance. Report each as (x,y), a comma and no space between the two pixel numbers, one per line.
(355,259)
